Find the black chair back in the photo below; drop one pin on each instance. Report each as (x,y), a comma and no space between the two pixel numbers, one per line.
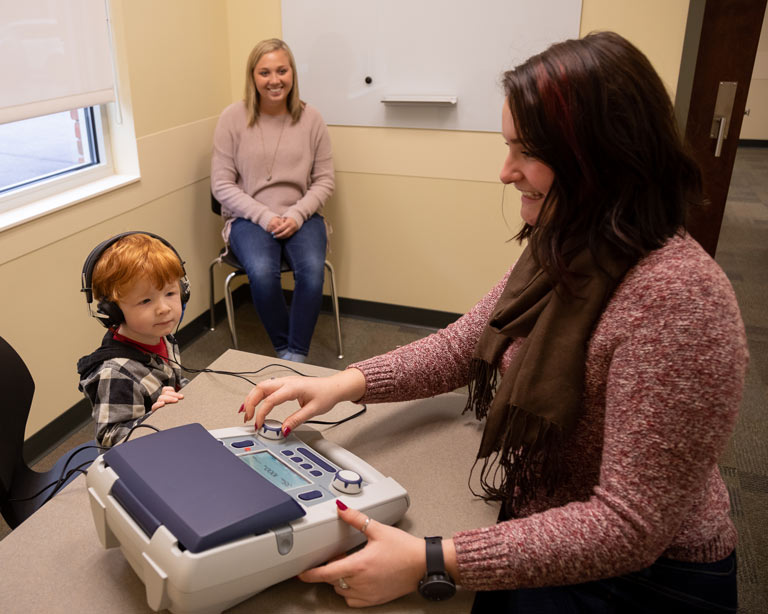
(18,389)
(215,205)
(22,490)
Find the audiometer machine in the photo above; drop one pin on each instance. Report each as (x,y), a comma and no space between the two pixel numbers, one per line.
(207,519)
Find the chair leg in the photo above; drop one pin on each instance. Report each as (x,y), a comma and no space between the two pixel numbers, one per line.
(335,301)
(230,306)
(212,302)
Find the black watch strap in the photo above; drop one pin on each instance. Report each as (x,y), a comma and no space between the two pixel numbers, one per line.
(436,585)
(435,560)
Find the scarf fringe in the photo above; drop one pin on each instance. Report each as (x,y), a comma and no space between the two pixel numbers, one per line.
(482,386)
(518,471)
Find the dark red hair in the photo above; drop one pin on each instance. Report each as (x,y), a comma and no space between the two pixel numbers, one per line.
(596,112)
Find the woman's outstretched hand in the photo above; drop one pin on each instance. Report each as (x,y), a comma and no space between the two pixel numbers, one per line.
(315,395)
(390,565)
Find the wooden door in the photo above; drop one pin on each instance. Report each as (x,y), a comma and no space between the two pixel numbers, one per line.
(728,44)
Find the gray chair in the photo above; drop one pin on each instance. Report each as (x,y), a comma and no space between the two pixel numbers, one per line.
(22,490)
(227,257)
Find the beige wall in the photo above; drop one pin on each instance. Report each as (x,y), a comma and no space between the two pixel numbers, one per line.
(417,214)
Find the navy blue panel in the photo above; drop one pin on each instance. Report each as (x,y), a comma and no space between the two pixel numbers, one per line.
(135,509)
(199,490)
(319,461)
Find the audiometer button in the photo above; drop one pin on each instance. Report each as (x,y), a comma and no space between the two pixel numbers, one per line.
(306,466)
(288,452)
(348,482)
(245,443)
(316,473)
(316,459)
(271,429)
(310,495)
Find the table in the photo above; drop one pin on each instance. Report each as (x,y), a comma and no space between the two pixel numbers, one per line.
(54,562)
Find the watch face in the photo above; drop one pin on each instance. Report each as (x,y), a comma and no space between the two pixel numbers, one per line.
(437,588)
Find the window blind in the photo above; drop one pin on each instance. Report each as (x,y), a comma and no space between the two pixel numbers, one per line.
(55,55)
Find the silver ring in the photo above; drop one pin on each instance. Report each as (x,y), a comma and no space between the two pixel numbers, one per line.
(365,524)
(343,584)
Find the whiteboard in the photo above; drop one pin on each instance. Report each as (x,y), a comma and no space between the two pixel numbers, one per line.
(443,59)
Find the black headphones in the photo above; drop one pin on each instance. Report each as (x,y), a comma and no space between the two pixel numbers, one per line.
(109,312)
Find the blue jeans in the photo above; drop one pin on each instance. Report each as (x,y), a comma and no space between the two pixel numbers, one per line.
(261,256)
(665,586)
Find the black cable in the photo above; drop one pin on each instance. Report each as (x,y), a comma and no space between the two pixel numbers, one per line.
(47,486)
(140,425)
(242,374)
(64,477)
(239,374)
(342,421)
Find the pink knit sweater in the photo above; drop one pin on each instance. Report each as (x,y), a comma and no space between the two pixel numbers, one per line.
(298,155)
(664,376)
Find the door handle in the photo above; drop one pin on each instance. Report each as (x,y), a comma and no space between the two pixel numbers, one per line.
(720,135)
(726,94)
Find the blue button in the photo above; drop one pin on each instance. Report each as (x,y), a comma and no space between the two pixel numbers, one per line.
(316,473)
(319,461)
(310,494)
(288,452)
(306,466)
(297,459)
(242,444)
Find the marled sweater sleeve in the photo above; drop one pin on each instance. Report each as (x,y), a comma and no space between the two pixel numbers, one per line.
(669,378)
(432,365)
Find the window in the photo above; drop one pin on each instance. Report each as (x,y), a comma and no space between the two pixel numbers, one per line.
(52,153)
(33,150)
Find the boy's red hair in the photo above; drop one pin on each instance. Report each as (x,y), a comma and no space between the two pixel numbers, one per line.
(134,257)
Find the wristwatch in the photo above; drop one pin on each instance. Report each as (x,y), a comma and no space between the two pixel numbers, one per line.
(436,585)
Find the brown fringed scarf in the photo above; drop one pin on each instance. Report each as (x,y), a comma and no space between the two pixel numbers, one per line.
(539,397)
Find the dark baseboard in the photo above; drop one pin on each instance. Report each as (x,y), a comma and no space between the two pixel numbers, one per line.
(48,437)
(394,314)
(366,310)
(753,143)
(51,435)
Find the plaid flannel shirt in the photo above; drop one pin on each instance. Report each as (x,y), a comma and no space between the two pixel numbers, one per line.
(123,388)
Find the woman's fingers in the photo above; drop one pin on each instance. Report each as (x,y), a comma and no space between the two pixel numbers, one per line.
(357,519)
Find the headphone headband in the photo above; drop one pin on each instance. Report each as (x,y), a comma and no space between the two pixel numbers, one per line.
(108,313)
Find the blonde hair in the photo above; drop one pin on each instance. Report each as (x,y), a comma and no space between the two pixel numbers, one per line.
(134,257)
(252,96)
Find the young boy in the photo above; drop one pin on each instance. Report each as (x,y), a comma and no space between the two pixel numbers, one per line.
(140,286)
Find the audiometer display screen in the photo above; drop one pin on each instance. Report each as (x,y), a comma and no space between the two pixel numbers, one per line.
(275,471)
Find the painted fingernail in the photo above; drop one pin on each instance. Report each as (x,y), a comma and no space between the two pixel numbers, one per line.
(286,431)
(340,505)
(242,409)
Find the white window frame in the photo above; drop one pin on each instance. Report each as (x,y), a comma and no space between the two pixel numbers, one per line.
(44,188)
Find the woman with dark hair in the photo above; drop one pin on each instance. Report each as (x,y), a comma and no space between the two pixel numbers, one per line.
(608,366)
(272,172)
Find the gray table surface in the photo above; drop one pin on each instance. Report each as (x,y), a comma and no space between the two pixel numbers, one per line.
(54,562)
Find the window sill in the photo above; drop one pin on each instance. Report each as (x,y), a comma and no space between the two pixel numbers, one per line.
(34,210)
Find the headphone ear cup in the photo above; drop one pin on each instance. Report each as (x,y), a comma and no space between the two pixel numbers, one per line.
(109,313)
(185,291)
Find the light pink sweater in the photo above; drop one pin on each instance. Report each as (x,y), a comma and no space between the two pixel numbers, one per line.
(302,173)
(664,375)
